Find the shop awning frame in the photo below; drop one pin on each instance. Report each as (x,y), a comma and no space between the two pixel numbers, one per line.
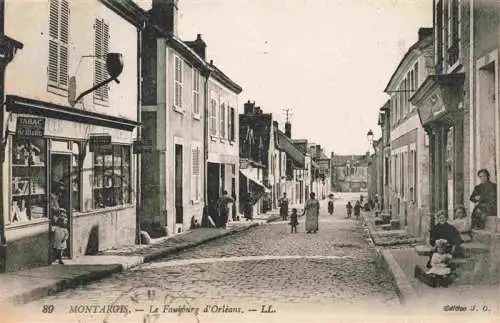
(18,104)
(246,173)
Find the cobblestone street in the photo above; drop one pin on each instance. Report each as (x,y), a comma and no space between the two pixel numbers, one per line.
(267,265)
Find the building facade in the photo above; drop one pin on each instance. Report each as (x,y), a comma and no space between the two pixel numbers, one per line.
(66,158)
(350,173)
(409,146)
(175,84)
(222,139)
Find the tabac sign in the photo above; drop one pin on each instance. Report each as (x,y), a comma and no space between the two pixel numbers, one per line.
(30,126)
(99,143)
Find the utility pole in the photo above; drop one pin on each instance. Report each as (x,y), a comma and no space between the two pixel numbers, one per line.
(288,114)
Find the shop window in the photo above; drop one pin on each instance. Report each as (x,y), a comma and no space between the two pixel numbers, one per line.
(75,177)
(112,176)
(29,180)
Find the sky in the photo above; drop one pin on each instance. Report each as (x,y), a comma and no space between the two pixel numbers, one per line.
(328,61)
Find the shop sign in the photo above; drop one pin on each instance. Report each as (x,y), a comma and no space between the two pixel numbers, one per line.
(143,146)
(99,143)
(243,163)
(30,126)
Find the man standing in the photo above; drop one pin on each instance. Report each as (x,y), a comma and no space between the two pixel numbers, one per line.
(284,207)
(223,205)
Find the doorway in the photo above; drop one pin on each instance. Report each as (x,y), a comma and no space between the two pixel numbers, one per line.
(60,194)
(213,188)
(179,214)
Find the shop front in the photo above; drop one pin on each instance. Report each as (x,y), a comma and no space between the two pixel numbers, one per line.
(439,101)
(67,166)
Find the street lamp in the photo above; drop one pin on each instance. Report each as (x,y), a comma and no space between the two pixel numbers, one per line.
(369,136)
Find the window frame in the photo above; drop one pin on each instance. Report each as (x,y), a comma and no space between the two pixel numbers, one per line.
(101,49)
(213,117)
(196,183)
(222,120)
(178,84)
(57,67)
(196,94)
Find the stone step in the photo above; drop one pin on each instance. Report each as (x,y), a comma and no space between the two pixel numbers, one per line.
(386,227)
(471,248)
(395,225)
(423,250)
(485,236)
(491,224)
(379,222)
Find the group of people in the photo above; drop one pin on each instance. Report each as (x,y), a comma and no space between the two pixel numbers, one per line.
(446,238)
(311,211)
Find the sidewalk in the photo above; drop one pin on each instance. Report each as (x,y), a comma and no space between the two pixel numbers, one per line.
(274,214)
(400,260)
(27,285)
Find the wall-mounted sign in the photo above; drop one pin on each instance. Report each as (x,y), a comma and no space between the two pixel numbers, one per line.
(143,146)
(30,126)
(243,163)
(99,142)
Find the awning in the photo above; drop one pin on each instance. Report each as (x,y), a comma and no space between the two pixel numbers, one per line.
(246,172)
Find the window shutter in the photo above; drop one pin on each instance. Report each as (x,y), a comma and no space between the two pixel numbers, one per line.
(233,127)
(53,44)
(98,77)
(105,51)
(63,42)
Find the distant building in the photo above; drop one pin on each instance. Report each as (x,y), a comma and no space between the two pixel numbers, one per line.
(350,173)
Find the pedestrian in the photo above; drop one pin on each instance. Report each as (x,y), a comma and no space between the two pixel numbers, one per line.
(357,209)
(485,197)
(294,220)
(223,205)
(349,209)
(330,204)
(311,210)
(283,203)
(60,235)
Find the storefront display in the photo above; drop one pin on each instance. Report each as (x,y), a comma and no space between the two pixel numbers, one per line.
(28,179)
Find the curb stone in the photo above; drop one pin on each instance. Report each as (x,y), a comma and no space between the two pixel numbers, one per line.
(97,274)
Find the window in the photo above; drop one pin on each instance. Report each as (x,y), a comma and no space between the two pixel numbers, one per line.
(196,93)
(213,117)
(29,183)
(75,176)
(101,49)
(195,172)
(416,77)
(112,176)
(230,124)
(222,116)
(178,83)
(439,36)
(58,44)
(453,31)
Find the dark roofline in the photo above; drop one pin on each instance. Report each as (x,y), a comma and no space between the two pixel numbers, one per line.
(419,44)
(225,80)
(128,10)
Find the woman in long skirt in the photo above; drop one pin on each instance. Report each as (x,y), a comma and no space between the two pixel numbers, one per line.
(311,210)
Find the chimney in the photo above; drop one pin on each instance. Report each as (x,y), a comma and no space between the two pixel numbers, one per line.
(198,45)
(275,123)
(165,15)
(288,130)
(318,150)
(249,107)
(258,110)
(424,33)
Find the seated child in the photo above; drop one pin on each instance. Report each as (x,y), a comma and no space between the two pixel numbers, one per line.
(293,220)
(440,259)
(439,273)
(462,223)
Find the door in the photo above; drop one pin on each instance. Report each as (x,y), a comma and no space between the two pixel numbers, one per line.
(179,215)
(213,188)
(60,193)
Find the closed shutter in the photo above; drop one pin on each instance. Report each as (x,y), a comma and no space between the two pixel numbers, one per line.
(57,70)
(195,173)
(178,82)
(101,49)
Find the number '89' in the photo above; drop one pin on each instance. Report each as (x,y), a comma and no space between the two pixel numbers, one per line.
(48,309)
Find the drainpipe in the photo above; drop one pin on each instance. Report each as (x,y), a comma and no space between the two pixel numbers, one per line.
(205,143)
(472,110)
(8,47)
(139,134)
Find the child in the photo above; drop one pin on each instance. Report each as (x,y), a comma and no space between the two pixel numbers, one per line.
(349,209)
(357,209)
(330,204)
(293,220)
(60,235)
(440,259)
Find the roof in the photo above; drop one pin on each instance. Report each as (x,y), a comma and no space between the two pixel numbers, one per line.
(419,45)
(225,80)
(128,9)
(291,150)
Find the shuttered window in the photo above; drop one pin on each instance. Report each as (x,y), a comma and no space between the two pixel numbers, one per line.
(58,44)
(222,115)
(230,124)
(213,117)
(196,93)
(101,49)
(178,83)
(195,172)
